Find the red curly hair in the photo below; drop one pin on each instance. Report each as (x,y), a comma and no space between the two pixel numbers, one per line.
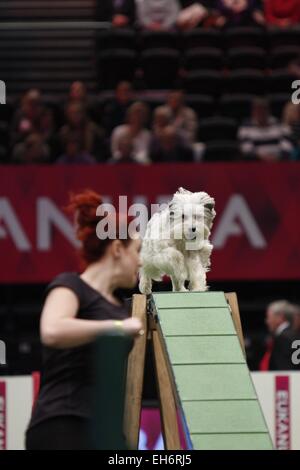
(83,206)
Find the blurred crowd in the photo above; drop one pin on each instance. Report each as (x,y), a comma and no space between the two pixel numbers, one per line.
(124,129)
(158,15)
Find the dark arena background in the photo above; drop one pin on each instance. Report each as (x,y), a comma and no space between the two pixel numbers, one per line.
(127,98)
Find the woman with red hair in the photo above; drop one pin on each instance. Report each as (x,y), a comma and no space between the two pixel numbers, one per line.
(78,308)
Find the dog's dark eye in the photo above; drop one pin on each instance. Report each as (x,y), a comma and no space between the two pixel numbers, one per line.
(172,213)
(182,216)
(209,207)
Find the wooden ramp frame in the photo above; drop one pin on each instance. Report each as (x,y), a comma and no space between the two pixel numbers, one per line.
(201,373)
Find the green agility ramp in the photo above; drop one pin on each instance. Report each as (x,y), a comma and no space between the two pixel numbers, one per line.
(215,394)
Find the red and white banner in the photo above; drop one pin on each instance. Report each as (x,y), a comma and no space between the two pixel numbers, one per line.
(2,416)
(282,413)
(256,232)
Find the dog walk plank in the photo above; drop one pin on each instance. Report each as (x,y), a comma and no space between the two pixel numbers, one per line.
(196,321)
(237,441)
(213,381)
(190,299)
(205,350)
(214,388)
(224,417)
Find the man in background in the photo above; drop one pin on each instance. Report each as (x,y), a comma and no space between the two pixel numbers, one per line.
(279,320)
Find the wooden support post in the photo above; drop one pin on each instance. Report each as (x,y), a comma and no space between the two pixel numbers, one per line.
(166,395)
(135,376)
(231,297)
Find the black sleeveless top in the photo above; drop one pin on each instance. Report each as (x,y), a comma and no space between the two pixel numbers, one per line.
(67,377)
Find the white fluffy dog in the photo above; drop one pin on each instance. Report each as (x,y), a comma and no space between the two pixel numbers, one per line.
(176,243)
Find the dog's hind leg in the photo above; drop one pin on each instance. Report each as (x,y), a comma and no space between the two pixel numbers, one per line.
(145,284)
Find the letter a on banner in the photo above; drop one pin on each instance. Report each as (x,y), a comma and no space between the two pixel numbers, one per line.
(2,416)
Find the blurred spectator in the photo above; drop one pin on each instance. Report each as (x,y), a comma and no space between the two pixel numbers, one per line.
(32,150)
(137,116)
(184,118)
(282,13)
(120,13)
(125,149)
(157,15)
(115,110)
(291,118)
(264,137)
(296,323)
(27,118)
(279,320)
(294,67)
(239,13)
(91,136)
(78,93)
(48,131)
(162,117)
(193,13)
(74,154)
(168,147)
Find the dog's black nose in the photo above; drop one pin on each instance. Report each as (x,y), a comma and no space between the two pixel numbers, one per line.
(193,229)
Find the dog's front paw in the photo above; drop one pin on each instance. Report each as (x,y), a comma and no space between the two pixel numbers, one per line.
(198,287)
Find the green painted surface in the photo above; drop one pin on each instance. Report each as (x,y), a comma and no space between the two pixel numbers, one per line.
(200,321)
(223,416)
(205,350)
(231,441)
(211,376)
(190,299)
(213,382)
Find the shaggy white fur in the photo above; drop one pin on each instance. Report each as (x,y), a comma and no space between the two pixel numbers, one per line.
(176,243)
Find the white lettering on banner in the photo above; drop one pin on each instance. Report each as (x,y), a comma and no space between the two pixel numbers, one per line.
(296,354)
(236,220)
(296,94)
(13,226)
(282,413)
(48,215)
(2,423)
(2,353)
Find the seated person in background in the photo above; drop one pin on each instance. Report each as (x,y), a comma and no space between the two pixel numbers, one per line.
(121,13)
(48,131)
(33,150)
(162,117)
(263,137)
(27,117)
(114,112)
(282,13)
(125,150)
(291,118)
(279,320)
(77,92)
(168,147)
(239,13)
(294,67)
(183,118)
(74,154)
(157,15)
(296,322)
(137,116)
(91,136)
(193,13)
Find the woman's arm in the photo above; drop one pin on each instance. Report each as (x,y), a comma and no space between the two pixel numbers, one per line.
(61,329)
